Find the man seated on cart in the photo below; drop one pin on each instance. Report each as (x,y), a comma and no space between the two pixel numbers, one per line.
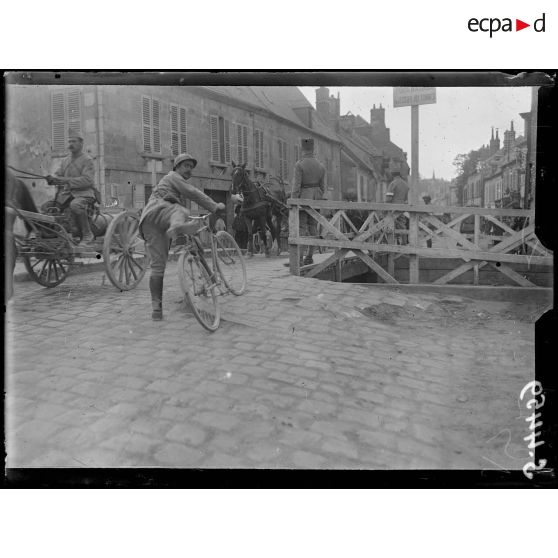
(165,217)
(76,174)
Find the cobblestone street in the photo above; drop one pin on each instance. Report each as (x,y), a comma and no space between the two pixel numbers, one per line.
(302,373)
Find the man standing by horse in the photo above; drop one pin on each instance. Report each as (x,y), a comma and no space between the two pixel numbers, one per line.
(165,217)
(308,184)
(76,174)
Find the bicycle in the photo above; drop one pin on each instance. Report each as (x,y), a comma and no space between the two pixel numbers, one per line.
(203,283)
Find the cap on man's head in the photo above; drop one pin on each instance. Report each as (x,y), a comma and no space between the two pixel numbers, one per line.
(183,157)
(307,144)
(74,134)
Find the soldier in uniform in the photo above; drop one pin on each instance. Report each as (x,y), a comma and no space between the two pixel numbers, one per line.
(76,174)
(308,184)
(398,192)
(427,199)
(166,216)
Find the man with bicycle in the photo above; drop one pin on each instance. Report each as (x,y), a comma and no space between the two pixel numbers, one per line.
(166,216)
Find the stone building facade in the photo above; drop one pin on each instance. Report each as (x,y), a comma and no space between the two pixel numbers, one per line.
(133,133)
(500,178)
(368,156)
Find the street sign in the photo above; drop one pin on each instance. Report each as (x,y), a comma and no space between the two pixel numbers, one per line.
(409,96)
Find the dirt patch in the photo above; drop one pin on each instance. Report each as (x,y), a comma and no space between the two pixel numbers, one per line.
(453,312)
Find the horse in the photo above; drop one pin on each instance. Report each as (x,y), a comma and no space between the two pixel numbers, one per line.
(18,196)
(262,205)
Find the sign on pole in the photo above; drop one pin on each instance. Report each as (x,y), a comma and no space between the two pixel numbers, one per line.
(413,97)
(409,96)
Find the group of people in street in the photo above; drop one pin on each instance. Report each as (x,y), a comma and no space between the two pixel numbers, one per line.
(166,214)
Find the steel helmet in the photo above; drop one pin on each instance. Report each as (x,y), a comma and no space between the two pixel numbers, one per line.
(183,157)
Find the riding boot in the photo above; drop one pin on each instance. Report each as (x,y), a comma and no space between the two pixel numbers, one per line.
(156,288)
(86,234)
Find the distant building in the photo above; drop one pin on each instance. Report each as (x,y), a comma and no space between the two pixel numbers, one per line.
(437,188)
(499,180)
(368,156)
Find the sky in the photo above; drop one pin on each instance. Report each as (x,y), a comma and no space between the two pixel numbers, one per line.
(460,121)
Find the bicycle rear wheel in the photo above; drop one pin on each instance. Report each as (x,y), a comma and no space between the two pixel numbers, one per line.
(199,290)
(230,263)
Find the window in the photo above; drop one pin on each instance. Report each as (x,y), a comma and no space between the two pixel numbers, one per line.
(283,163)
(328,173)
(296,153)
(258,149)
(65,115)
(242,143)
(179,130)
(151,131)
(220,139)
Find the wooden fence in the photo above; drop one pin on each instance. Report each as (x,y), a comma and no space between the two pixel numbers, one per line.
(379,233)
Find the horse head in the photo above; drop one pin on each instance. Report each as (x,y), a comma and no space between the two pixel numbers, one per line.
(240,180)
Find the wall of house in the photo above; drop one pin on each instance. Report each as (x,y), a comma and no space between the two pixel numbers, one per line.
(112,125)
(28,133)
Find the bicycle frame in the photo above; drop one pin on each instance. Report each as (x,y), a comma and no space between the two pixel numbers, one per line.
(214,274)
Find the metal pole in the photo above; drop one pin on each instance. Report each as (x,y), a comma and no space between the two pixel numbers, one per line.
(414,154)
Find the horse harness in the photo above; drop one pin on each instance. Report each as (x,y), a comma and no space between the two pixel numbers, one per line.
(263,194)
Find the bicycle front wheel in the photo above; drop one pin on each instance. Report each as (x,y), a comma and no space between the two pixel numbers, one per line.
(199,291)
(230,263)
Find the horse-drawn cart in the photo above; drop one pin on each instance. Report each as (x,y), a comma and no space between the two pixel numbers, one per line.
(48,250)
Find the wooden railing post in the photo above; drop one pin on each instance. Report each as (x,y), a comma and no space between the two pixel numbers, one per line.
(413,241)
(476,240)
(391,255)
(294,235)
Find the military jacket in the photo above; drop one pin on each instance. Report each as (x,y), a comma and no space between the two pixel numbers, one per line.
(308,173)
(81,171)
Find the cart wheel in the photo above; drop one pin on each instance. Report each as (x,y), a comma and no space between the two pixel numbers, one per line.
(124,253)
(46,270)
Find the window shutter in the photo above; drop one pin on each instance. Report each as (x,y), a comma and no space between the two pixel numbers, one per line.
(156,128)
(183,131)
(285,162)
(245,144)
(239,145)
(174,129)
(146,123)
(213,122)
(58,121)
(74,110)
(242,143)
(258,144)
(226,130)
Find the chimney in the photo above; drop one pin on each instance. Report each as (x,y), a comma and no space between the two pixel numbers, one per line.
(323,103)
(378,118)
(337,113)
(509,139)
(327,106)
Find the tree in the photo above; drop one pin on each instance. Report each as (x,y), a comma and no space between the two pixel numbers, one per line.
(467,164)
